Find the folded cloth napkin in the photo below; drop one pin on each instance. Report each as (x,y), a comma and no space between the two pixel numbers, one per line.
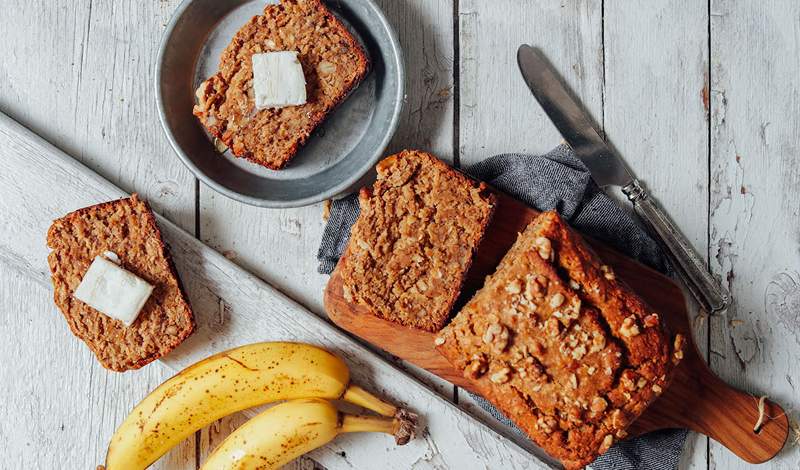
(556,180)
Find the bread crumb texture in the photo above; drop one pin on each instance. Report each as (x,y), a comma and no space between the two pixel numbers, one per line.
(128,228)
(333,64)
(561,346)
(413,242)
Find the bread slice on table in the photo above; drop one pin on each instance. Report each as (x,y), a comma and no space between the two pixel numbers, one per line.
(413,242)
(560,345)
(333,64)
(126,227)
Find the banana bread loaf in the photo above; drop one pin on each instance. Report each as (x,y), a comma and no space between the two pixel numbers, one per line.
(333,64)
(413,242)
(560,345)
(127,228)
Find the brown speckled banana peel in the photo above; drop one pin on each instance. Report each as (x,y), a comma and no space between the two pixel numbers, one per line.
(288,430)
(228,382)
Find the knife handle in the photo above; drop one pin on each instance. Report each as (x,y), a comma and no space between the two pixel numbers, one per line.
(708,292)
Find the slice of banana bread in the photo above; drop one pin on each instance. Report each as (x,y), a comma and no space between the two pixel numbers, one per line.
(127,228)
(413,242)
(560,345)
(333,64)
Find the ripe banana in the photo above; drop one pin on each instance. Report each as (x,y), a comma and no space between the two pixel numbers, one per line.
(288,430)
(225,383)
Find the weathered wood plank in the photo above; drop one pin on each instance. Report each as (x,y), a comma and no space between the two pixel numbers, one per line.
(497,112)
(654,114)
(755,177)
(80,71)
(232,308)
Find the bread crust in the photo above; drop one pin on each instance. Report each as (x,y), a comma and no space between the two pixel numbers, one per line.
(413,243)
(560,345)
(272,137)
(128,228)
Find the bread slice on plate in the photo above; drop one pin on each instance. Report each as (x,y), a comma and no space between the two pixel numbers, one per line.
(412,245)
(333,64)
(127,228)
(560,345)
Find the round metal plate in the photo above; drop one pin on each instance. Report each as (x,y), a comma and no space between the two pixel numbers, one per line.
(341,150)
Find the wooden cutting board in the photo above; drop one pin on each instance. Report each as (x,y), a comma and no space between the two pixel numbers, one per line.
(697,399)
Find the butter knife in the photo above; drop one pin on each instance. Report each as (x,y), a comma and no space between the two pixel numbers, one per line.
(608,169)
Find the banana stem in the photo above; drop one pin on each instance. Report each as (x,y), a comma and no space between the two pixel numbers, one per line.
(357,395)
(360,423)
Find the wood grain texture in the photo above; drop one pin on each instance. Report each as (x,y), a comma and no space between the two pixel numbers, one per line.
(696,399)
(233,308)
(755,178)
(655,116)
(498,114)
(80,72)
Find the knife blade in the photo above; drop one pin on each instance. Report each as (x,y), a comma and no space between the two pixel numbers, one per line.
(570,120)
(607,169)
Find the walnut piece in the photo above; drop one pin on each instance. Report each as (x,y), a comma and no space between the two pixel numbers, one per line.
(599,404)
(608,273)
(544,247)
(501,376)
(629,327)
(496,335)
(556,300)
(651,320)
(477,366)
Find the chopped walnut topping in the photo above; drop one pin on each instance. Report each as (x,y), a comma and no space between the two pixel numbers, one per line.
(422,285)
(591,370)
(651,320)
(657,388)
(574,284)
(629,327)
(573,380)
(607,272)
(546,423)
(618,419)
(438,341)
(545,248)
(348,296)
(579,352)
(607,441)
(513,288)
(621,434)
(477,367)
(627,382)
(599,404)
(493,330)
(501,376)
(678,347)
(556,300)
(598,342)
(553,327)
(608,371)
(641,382)
(496,335)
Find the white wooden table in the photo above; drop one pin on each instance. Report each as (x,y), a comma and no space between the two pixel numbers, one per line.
(702,100)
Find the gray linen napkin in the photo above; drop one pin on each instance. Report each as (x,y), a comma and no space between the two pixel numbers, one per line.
(556,180)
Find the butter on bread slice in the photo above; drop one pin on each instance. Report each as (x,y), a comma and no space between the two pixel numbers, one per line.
(126,227)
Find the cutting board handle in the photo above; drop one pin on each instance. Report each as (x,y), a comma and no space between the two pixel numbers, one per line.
(699,400)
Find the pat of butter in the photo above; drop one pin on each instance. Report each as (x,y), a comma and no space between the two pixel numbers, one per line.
(278,80)
(113,291)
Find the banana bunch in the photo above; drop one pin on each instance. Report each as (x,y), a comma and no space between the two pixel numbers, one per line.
(243,378)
